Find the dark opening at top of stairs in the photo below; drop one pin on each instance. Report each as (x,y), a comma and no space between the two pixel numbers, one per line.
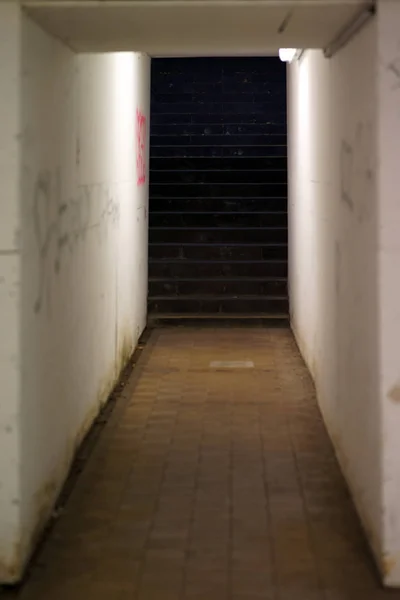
(218,188)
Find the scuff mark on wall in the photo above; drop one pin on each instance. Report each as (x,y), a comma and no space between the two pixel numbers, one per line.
(357,169)
(346,173)
(393,68)
(338,267)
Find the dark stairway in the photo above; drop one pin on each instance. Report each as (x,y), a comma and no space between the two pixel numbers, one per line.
(218,189)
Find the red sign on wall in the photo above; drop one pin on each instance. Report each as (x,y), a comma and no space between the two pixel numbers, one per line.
(140,147)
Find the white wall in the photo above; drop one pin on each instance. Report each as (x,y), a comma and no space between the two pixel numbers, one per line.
(9,284)
(389,270)
(344,261)
(334,225)
(84,255)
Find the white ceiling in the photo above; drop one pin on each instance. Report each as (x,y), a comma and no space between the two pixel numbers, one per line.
(193,27)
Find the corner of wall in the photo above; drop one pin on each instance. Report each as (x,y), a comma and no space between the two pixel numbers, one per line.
(388,251)
(10,292)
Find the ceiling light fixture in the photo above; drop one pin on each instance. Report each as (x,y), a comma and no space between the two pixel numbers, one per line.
(289,54)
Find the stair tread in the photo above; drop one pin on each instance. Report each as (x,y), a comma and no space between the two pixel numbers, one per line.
(223,212)
(220,244)
(236,145)
(217,170)
(213,261)
(216,279)
(228,316)
(209,136)
(219,297)
(168,183)
(231,198)
(217,156)
(185,228)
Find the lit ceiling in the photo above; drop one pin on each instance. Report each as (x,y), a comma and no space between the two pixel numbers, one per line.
(193,27)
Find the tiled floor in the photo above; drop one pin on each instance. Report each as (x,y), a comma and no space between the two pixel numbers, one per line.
(210,484)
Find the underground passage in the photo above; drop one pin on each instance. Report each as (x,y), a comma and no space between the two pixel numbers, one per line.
(199,300)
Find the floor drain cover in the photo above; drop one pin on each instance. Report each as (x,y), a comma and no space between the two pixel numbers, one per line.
(232,364)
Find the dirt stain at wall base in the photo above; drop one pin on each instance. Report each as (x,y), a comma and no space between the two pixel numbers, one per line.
(14,569)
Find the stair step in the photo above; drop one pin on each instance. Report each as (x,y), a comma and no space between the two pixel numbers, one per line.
(207,297)
(226,190)
(210,108)
(219,286)
(205,269)
(223,304)
(247,252)
(202,96)
(216,220)
(219,70)
(267,139)
(206,151)
(256,235)
(196,176)
(170,85)
(276,117)
(230,320)
(221,163)
(219,205)
(216,129)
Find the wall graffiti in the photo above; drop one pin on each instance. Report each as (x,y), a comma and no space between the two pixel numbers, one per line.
(140,147)
(60,225)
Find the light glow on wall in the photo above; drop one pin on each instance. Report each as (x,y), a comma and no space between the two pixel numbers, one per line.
(124,66)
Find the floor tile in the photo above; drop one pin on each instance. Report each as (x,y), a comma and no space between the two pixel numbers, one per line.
(212,484)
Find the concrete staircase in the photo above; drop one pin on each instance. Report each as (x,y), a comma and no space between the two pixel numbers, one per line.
(218,189)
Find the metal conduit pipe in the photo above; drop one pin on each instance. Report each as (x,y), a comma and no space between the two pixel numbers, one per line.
(345,35)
